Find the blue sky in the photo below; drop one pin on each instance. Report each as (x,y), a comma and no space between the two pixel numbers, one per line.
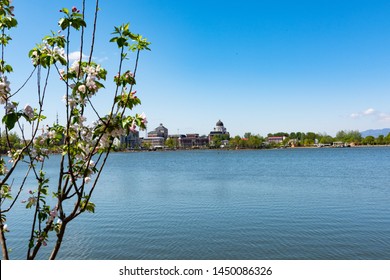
(259,66)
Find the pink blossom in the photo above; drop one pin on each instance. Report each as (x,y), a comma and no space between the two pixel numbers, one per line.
(53,213)
(143,117)
(133,127)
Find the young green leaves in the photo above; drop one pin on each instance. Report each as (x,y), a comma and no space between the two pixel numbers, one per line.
(72,18)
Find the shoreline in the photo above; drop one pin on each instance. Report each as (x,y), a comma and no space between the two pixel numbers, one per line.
(251,149)
(240,149)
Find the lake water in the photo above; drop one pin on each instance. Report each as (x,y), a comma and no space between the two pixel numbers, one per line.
(265,204)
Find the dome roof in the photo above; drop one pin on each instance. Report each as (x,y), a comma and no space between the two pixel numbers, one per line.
(219,123)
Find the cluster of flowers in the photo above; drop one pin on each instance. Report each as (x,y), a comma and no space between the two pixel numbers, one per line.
(45,51)
(13,155)
(107,137)
(4,89)
(87,87)
(11,107)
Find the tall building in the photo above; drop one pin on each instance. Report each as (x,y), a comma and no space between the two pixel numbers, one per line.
(131,140)
(160,131)
(190,141)
(219,129)
(156,138)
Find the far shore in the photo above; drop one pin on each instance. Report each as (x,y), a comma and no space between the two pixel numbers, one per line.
(249,149)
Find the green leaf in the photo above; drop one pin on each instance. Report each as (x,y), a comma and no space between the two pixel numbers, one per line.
(63,23)
(10,119)
(87,206)
(121,42)
(8,68)
(90,207)
(99,85)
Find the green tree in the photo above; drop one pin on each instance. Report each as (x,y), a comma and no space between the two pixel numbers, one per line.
(349,136)
(326,139)
(235,142)
(380,140)
(311,136)
(369,140)
(247,135)
(11,140)
(308,142)
(293,135)
(216,140)
(255,141)
(171,143)
(387,139)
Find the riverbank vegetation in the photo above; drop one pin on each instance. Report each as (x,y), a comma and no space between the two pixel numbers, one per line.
(246,141)
(308,139)
(343,138)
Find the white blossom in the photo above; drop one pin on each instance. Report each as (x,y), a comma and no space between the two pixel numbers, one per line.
(59,51)
(5,228)
(29,111)
(9,107)
(81,88)
(4,89)
(75,67)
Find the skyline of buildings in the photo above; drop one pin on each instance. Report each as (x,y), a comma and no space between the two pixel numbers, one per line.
(157,137)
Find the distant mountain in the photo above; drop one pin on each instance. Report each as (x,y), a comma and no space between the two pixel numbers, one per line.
(375,132)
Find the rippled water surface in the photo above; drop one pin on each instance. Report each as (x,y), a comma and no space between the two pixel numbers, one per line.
(267,204)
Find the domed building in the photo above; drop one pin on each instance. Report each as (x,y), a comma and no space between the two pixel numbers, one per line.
(160,131)
(156,138)
(219,129)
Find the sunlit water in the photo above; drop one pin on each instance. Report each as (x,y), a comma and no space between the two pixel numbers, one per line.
(266,204)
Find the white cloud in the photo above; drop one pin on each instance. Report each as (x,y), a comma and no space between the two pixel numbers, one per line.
(76,56)
(73,56)
(384,117)
(355,115)
(369,111)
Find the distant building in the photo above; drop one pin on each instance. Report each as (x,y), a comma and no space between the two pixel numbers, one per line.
(193,141)
(130,141)
(219,129)
(190,141)
(160,131)
(156,138)
(154,142)
(276,139)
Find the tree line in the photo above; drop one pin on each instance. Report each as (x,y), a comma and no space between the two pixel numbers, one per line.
(250,141)
(301,139)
